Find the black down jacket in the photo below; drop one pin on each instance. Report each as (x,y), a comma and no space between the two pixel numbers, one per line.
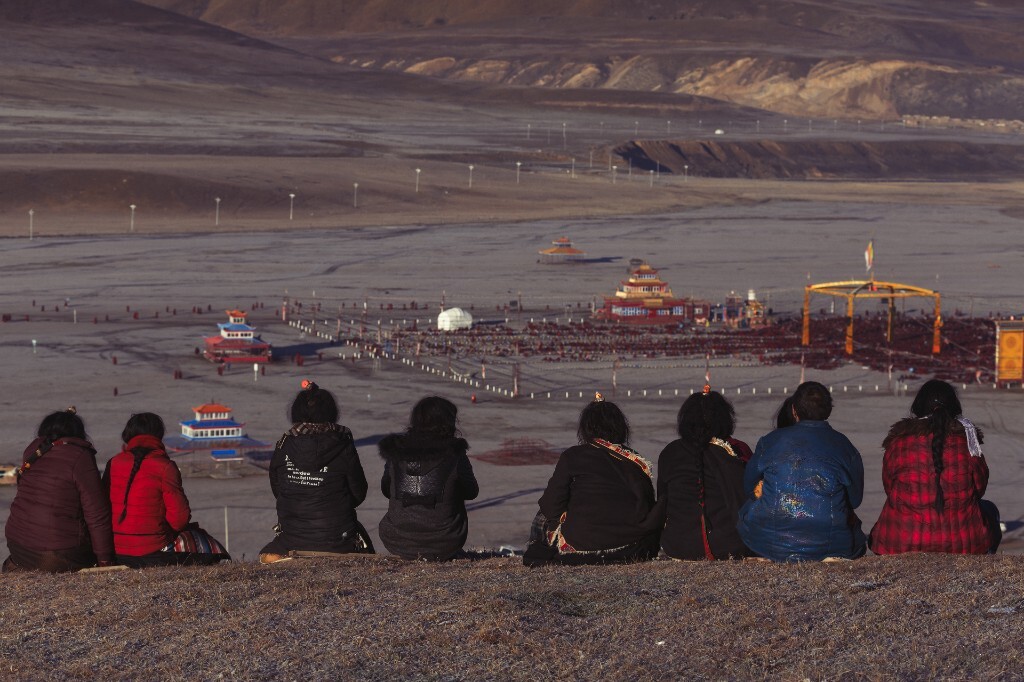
(427,479)
(318,482)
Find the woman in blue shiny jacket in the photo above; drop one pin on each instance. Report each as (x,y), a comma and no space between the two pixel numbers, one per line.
(803,485)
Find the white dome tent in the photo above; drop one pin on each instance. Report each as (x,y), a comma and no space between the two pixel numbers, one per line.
(454,318)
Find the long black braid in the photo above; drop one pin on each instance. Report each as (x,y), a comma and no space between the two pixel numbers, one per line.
(938,402)
(139,452)
(142,423)
(940,420)
(705,416)
(704,435)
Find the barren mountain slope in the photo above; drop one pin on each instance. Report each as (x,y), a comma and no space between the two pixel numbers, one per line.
(846,58)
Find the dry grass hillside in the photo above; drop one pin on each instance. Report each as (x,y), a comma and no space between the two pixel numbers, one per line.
(848,58)
(910,617)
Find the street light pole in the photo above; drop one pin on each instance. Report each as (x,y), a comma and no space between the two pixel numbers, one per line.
(418,171)
(216,215)
(131,224)
(355,195)
(615,170)
(471,176)
(519,164)
(291,205)
(686,173)
(31,212)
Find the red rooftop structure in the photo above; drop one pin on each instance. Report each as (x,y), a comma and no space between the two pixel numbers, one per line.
(237,342)
(645,298)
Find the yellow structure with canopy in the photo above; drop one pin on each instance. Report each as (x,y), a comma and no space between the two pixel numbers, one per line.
(852,290)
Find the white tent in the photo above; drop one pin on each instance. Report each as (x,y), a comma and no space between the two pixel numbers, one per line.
(454,318)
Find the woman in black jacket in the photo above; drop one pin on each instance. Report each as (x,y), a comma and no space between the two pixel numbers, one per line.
(317,481)
(427,478)
(700,481)
(599,505)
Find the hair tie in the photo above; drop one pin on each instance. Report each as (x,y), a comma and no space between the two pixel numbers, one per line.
(598,398)
(308,385)
(707,389)
(72,409)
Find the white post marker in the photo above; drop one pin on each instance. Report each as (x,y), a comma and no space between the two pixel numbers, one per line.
(255,371)
(471,176)
(355,195)
(131,223)
(418,171)
(33,346)
(216,214)
(291,205)
(31,213)
(519,164)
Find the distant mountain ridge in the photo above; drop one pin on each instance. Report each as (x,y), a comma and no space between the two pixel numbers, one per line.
(842,59)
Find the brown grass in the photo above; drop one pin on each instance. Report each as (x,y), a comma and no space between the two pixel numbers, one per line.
(910,617)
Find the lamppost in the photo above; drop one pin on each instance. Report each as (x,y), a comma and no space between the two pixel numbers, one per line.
(615,170)
(471,176)
(291,205)
(668,127)
(652,177)
(31,212)
(418,171)
(355,195)
(686,173)
(131,223)
(528,126)
(216,215)
(636,128)
(563,135)
(572,171)
(519,164)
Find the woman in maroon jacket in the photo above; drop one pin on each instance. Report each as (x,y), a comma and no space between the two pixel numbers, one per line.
(60,517)
(934,477)
(150,510)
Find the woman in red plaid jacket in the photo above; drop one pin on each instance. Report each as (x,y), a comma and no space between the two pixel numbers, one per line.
(934,476)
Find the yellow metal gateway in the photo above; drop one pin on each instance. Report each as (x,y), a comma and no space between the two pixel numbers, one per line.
(852,290)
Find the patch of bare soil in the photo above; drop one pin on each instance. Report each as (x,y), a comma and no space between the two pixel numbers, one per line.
(827,159)
(908,617)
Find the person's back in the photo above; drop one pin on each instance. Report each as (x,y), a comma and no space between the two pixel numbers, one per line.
(934,475)
(804,483)
(147,501)
(427,478)
(700,482)
(60,516)
(318,482)
(315,480)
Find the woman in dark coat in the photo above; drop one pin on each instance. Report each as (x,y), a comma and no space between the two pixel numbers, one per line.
(318,482)
(700,480)
(599,505)
(427,478)
(934,476)
(60,516)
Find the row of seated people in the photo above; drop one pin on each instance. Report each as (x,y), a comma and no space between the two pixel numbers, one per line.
(793,499)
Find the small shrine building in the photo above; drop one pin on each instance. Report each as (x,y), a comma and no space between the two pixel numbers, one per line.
(646,298)
(237,342)
(561,251)
(213,434)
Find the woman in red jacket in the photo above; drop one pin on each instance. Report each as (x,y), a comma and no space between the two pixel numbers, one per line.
(60,517)
(150,510)
(934,477)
